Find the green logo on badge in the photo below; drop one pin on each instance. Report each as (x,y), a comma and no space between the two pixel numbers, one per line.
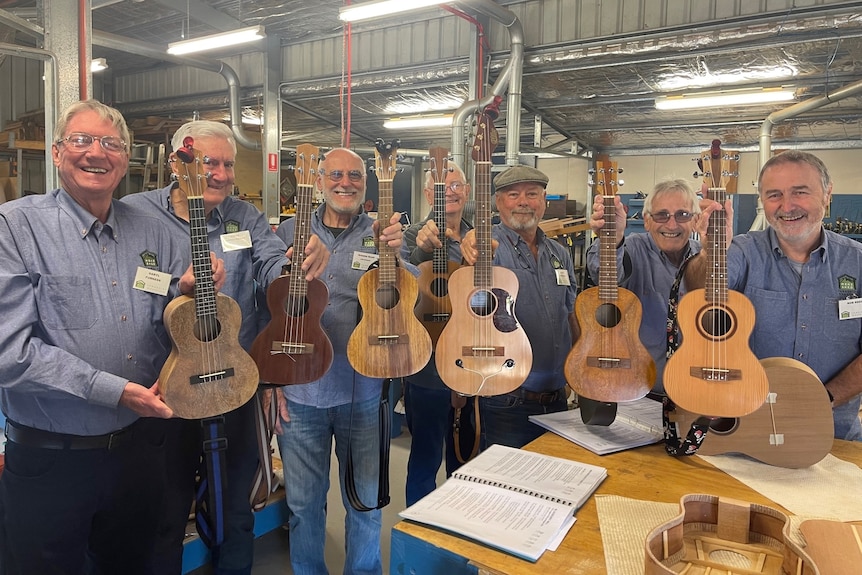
(847,283)
(231,227)
(368,242)
(150,260)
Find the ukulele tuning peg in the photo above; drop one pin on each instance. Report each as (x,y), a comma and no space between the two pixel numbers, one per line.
(621,182)
(291,168)
(620,171)
(591,171)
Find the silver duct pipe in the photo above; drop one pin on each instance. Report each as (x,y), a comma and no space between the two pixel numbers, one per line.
(509,77)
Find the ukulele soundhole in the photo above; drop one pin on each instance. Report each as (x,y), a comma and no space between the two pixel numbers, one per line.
(387,296)
(608,315)
(296,306)
(439,287)
(207,328)
(483,303)
(724,425)
(717,323)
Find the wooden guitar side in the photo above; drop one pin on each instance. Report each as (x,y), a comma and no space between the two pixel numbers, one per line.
(716,374)
(834,546)
(793,428)
(206,379)
(388,341)
(293,347)
(476,354)
(434,308)
(608,362)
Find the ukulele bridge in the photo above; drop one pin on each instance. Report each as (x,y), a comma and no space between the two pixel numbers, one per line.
(291,348)
(716,374)
(609,362)
(436,317)
(210,377)
(392,339)
(490,351)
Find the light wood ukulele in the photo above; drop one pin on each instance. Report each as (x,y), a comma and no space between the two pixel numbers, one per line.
(388,341)
(293,348)
(714,372)
(483,350)
(609,363)
(207,372)
(434,307)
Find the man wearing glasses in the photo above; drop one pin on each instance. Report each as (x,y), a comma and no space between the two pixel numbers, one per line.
(648,263)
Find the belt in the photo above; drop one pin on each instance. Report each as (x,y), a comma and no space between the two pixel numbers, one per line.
(542,398)
(39,438)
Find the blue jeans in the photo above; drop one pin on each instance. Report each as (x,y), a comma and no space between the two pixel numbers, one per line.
(306,447)
(504,419)
(846,421)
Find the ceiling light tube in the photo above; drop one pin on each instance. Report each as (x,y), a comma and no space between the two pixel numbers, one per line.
(725,98)
(367,10)
(98,64)
(220,40)
(418,122)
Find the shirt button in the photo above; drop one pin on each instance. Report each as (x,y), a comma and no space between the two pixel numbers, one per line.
(114,283)
(123,318)
(800,355)
(803,326)
(805,296)
(104,250)
(129,357)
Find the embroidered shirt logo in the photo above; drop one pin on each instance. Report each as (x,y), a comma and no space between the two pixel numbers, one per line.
(231,227)
(150,260)
(847,284)
(368,242)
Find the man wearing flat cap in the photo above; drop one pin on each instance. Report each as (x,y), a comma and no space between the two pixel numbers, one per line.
(544,307)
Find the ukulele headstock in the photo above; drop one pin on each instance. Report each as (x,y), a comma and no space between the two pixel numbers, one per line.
(439,164)
(386,159)
(191,171)
(307,159)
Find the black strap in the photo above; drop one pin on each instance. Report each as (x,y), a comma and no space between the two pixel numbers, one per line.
(212,477)
(461,421)
(385,428)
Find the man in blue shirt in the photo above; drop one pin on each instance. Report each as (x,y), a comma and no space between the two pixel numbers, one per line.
(544,307)
(342,404)
(254,256)
(647,263)
(84,281)
(803,280)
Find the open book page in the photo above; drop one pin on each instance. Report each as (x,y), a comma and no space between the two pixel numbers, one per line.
(637,423)
(554,478)
(507,520)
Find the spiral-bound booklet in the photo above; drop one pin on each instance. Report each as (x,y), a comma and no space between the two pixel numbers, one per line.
(517,501)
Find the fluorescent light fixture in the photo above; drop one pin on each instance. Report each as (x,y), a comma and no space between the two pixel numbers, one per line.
(220,40)
(98,64)
(418,122)
(725,98)
(368,10)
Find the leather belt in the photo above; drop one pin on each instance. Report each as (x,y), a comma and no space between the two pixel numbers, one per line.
(41,439)
(540,397)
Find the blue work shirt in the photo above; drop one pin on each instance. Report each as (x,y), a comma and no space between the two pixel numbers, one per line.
(341,384)
(542,305)
(798,316)
(644,270)
(428,375)
(75,328)
(251,262)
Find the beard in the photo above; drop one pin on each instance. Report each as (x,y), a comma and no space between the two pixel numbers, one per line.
(521,221)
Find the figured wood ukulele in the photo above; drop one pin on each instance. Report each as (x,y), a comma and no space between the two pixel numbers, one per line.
(207,372)
(293,347)
(434,307)
(609,363)
(483,350)
(793,428)
(714,372)
(388,341)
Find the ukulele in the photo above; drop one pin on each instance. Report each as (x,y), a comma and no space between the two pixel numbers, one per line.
(434,307)
(293,348)
(389,341)
(483,350)
(714,372)
(207,372)
(609,363)
(793,428)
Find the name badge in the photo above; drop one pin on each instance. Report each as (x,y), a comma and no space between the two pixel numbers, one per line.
(363,260)
(850,308)
(562,277)
(236,241)
(152,281)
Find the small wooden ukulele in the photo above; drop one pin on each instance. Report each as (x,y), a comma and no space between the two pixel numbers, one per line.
(483,350)
(293,348)
(434,307)
(714,371)
(609,363)
(388,341)
(207,372)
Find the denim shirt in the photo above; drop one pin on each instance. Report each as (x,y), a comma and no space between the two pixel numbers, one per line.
(648,273)
(798,316)
(542,306)
(341,384)
(248,270)
(75,328)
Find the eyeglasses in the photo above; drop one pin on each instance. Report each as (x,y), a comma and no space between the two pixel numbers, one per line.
(455,186)
(681,217)
(352,175)
(81,142)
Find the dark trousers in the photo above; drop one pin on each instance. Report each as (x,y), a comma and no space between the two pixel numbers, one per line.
(505,418)
(82,511)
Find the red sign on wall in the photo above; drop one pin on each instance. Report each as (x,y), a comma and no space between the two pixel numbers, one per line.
(273,162)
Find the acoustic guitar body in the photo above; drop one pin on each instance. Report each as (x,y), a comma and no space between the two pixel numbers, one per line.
(835,547)
(293,347)
(434,308)
(608,362)
(388,341)
(793,428)
(714,372)
(207,372)
(483,350)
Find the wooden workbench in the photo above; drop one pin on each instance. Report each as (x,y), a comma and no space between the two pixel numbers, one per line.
(646,473)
